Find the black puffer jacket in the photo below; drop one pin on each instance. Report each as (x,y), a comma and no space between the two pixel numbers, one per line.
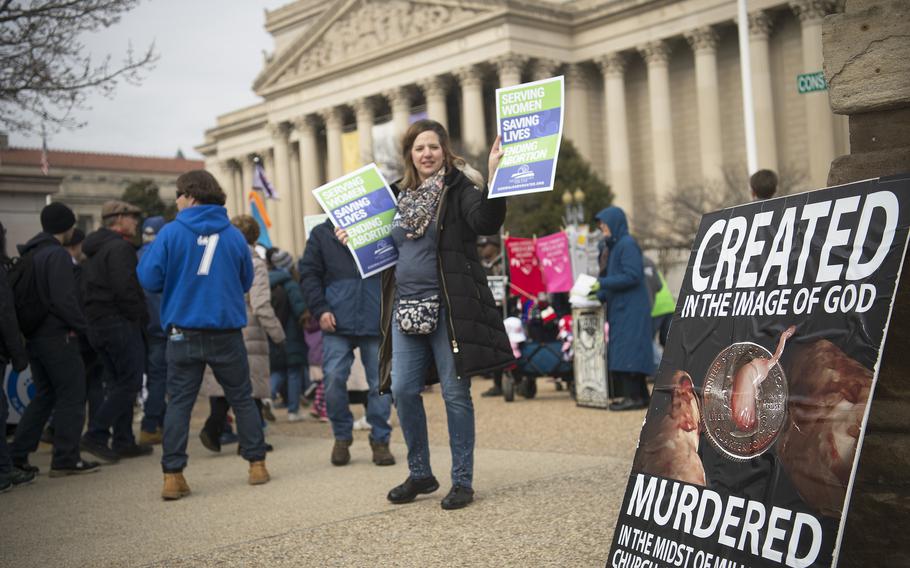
(56,286)
(11,348)
(479,341)
(109,283)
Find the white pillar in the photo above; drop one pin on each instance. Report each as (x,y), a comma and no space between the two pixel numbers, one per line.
(657,56)
(364,111)
(332,118)
(704,43)
(473,130)
(246,175)
(619,161)
(400,102)
(509,68)
(309,170)
(819,118)
(242,191)
(577,113)
(544,69)
(225,177)
(434,91)
(284,223)
(760,25)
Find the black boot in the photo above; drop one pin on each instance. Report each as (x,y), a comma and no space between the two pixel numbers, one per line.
(411,488)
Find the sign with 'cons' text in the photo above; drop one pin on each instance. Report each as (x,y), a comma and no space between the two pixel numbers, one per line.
(362,204)
(529,119)
(749,450)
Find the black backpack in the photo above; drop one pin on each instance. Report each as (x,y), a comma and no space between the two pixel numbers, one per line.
(30,308)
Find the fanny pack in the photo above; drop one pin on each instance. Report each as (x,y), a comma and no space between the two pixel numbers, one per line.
(418,317)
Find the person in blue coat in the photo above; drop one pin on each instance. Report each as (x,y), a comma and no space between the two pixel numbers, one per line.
(630,355)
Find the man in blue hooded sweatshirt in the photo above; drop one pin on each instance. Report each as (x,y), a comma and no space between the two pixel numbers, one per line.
(630,354)
(201,266)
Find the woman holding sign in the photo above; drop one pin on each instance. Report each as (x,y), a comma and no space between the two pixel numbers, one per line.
(439,322)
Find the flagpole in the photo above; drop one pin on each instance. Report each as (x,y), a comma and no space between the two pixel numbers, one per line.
(745,66)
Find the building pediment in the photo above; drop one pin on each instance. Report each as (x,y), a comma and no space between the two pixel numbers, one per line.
(354,31)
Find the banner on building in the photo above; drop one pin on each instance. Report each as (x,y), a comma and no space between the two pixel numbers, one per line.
(525,278)
(749,450)
(362,203)
(555,264)
(529,120)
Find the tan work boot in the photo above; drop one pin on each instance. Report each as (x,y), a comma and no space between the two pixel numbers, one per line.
(150,438)
(258,474)
(381,453)
(175,487)
(341,454)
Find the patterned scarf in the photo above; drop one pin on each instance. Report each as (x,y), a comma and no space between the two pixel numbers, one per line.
(418,206)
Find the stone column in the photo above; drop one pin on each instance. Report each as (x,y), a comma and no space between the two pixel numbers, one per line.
(544,69)
(309,169)
(509,68)
(657,55)
(760,24)
(619,162)
(434,90)
(332,118)
(819,119)
(577,114)
(400,102)
(225,177)
(365,112)
(284,224)
(246,175)
(243,205)
(704,43)
(473,132)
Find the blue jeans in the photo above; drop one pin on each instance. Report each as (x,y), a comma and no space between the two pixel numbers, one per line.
(119,343)
(338,356)
(412,355)
(156,383)
(294,378)
(225,354)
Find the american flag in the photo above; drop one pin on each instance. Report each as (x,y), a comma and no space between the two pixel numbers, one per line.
(45,165)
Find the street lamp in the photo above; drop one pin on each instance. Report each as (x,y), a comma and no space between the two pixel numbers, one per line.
(574,204)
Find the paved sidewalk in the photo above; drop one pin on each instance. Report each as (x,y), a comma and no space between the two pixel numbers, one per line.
(549,479)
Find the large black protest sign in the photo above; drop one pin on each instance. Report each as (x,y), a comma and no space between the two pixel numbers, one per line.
(749,449)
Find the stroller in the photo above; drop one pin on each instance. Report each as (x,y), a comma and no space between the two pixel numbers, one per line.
(542,355)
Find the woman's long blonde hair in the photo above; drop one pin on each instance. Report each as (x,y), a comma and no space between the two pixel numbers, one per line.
(411,178)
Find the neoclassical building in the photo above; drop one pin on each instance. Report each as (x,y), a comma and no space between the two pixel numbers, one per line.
(653,91)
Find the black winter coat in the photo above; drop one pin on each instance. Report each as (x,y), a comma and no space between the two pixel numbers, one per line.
(478,338)
(11,348)
(56,286)
(109,283)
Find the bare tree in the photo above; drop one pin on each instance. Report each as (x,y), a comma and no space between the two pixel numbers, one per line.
(45,72)
(674,223)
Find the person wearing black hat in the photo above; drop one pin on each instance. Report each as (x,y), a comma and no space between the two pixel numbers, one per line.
(117,315)
(11,351)
(53,350)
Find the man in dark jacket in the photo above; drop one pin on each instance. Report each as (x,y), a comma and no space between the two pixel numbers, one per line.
(347,308)
(11,350)
(53,351)
(152,427)
(116,312)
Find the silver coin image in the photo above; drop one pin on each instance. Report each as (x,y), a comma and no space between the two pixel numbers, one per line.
(770,407)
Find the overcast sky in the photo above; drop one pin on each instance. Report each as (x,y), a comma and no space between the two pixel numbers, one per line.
(209,53)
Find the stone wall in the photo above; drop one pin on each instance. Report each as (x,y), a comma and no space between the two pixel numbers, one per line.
(867,66)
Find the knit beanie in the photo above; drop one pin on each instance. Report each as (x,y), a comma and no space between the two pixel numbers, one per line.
(281,259)
(57,218)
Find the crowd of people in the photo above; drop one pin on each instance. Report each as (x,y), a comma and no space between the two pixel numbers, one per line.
(201,308)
